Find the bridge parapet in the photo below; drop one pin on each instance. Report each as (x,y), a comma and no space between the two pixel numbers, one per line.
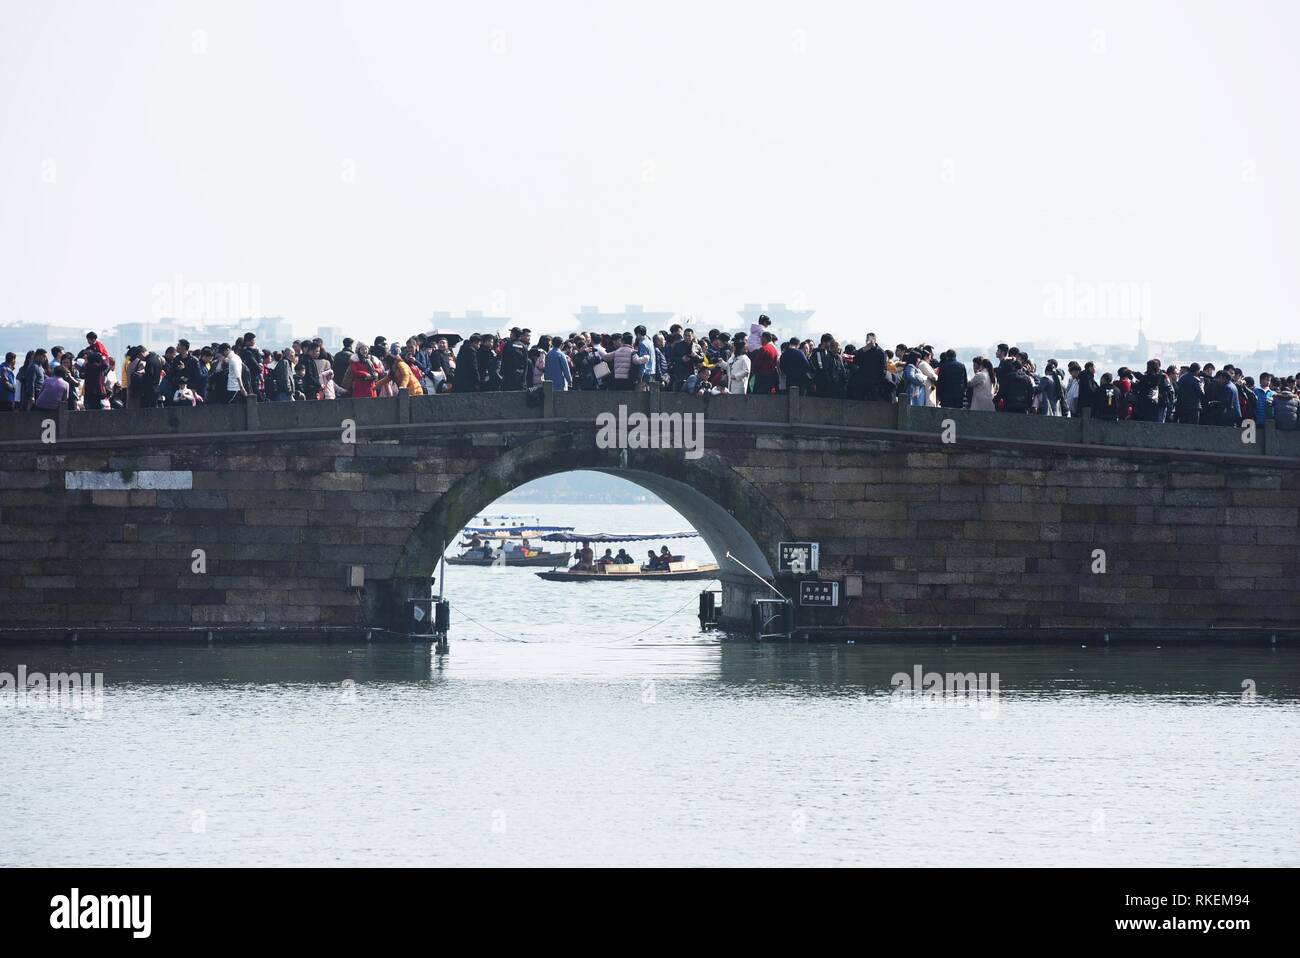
(265,419)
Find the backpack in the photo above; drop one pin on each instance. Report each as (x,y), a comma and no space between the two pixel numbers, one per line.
(1111,397)
(1284,411)
(1250,401)
(346,384)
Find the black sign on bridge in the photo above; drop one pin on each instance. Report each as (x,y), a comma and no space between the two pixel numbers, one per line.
(819,593)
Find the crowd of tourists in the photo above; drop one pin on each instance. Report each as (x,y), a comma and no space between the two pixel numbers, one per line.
(744,363)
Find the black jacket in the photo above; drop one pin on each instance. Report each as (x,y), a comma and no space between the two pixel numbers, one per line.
(1151,393)
(146,384)
(798,371)
(468,378)
(280,382)
(830,375)
(868,379)
(1087,392)
(252,358)
(1191,395)
(341,362)
(951,388)
(489,368)
(1006,368)
(310,377)
(514,365)
(1106,403)
(1015,390)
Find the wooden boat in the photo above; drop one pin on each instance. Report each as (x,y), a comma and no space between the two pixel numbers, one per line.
(678,567)
(624,573)
(547,559)
(500,534)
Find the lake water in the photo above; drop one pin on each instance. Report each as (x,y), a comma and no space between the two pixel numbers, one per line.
(588,724)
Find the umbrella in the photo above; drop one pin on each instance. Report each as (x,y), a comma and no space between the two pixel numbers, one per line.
(452,338)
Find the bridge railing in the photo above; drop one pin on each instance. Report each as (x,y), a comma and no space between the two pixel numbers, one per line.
(327,417)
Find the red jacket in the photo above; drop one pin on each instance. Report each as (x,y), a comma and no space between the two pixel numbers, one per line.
(765,360)
(363,380)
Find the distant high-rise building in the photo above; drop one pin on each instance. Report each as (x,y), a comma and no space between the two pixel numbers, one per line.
(332,336)
(786,322)
(18,338)
(474,321)
(591,319)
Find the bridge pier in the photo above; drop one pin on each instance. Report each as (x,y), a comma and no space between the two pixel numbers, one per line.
(385,602)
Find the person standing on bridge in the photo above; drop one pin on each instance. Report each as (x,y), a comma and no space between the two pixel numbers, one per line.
(925,357)
(981,386)
(9,383)
(951,389)
(514,362)
(914,381)
(738,367)
(797,368)
(1150,393)
(765,363)
(254,382)
(343,360)
(363,374)
(869,378)
(309,369)
(556,368)
(468,378)
(647,368)
(754,341)
(1229,407)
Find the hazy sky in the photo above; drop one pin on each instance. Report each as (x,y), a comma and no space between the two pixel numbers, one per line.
(926,170)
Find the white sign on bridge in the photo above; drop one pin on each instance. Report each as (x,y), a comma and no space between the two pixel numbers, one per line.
(798,557)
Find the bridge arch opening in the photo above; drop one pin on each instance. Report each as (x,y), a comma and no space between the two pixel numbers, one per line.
(728,511)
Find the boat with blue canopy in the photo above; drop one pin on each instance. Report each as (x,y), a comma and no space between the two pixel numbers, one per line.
(660,566)
(508,541)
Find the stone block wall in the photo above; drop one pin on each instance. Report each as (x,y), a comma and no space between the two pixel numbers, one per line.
(999,529)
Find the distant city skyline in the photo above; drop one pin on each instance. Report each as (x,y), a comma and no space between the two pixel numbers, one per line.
(920,170)
(272,331)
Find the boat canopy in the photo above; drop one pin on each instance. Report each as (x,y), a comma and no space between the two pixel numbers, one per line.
(607,537)
(502,530)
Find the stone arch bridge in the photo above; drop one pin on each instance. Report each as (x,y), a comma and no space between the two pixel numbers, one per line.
(996,530)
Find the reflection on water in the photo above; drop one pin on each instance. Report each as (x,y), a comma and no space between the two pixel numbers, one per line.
(595,724)
(654,752)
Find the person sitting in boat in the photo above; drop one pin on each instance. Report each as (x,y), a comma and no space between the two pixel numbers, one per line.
(585,558)
(665,558)
(653,564)
(476,543)
(607,558)
(622,558)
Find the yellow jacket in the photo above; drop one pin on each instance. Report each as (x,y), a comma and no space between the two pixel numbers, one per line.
(403,377)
